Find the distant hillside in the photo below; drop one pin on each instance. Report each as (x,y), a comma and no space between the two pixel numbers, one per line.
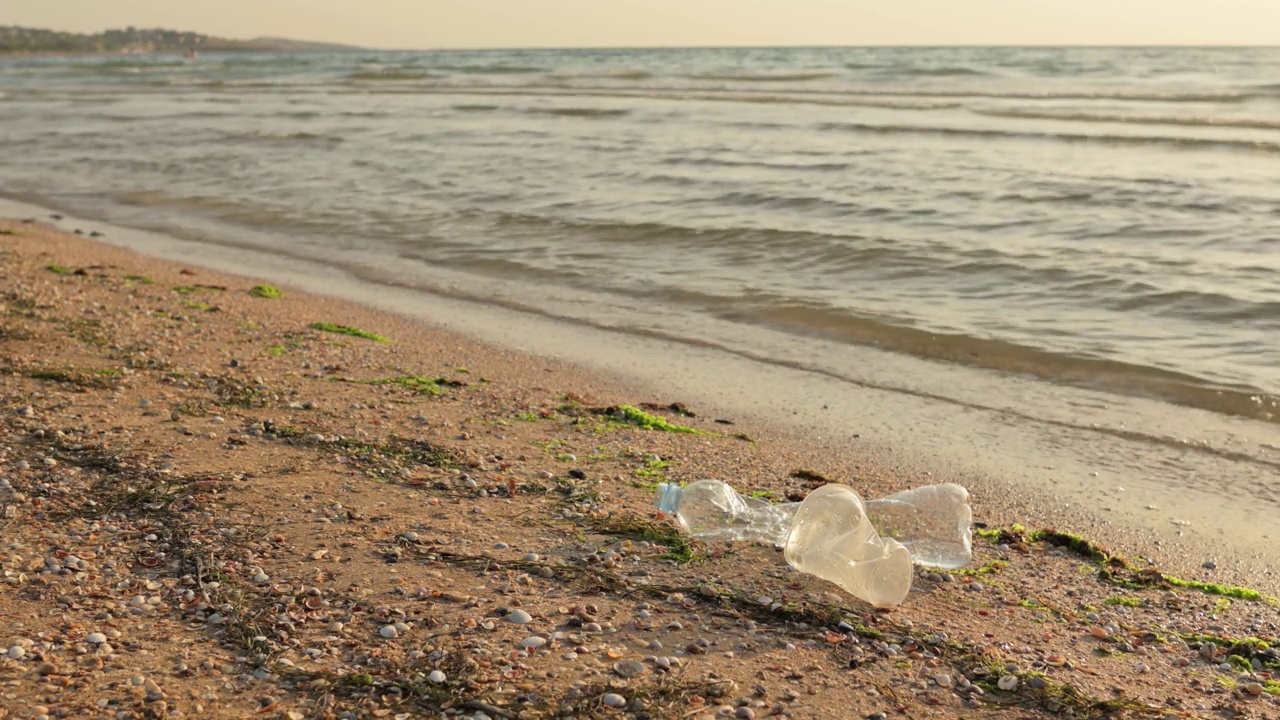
(16,40)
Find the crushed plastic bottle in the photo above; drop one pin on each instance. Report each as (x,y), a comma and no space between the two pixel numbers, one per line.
(832,538)
(932,522)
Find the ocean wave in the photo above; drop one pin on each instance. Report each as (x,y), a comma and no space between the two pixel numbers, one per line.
(1184,121)
(762,77)
(498,69)
(580,112)
(475,108)
(284,136)
(936,72)
(389,75)
(1190,143)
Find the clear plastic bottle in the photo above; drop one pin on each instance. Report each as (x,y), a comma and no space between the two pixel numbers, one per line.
(933,521)
(832,538)
(712,510)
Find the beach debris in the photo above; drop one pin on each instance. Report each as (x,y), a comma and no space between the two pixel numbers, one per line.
(833,534)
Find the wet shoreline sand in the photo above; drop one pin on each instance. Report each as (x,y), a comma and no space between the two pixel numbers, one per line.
(241,504)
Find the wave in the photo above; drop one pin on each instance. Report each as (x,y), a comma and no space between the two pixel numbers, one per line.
(475,108)
(288,136)
(936,72)
(627,75)
(1073,116)
(498,69)
(762,77)
(389,75)
(580,112)
(1190,143)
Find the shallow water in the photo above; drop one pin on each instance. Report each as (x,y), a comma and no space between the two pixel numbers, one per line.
(1100,217)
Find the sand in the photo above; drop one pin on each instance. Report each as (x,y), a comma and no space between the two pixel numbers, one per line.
(212,509)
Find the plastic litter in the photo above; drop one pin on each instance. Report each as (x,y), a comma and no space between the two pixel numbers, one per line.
(867,548)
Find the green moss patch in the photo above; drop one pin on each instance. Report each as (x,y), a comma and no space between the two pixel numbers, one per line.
(635,416)
(270,292)
(419,385)
(348,330)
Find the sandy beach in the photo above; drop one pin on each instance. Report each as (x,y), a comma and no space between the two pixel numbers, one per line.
(219,502)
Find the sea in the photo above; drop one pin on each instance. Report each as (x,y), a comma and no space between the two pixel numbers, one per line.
(1100,219)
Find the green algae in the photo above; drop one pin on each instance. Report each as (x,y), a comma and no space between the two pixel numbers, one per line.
(348,330)
(419,385)
(635,416)
(269,292)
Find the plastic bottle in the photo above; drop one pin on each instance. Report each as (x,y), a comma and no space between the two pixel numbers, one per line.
(933,521)
(832,538)
(712,510)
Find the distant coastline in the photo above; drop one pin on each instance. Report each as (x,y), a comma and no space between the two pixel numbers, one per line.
(17,40)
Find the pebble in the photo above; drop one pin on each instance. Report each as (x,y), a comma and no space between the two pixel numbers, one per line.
(533,642)
(410,536)
(1036,682)
(519,617)
(877,716)
(613,700)
(500,546)
(1253,688)
(1099,633)
(628,668)
(943,680)
(389,631)
(531,557)
(436,677)
(1008,683)
(745,712)
(17,652)
(1209,565)
(974,587)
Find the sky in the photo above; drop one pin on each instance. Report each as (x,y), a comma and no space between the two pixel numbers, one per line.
(655,23)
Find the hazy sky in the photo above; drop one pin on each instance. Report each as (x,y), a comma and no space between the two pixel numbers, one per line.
(614,23)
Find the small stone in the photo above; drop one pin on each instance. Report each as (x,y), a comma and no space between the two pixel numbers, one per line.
(1035,682)
(745,712)
(500,546)
(436,677)
(95,638)
(1252,688)
(874,716)
(410,536)
(1209,565)
(519,617)
(1008,683)
(531,557)
(389,632)
(16,652)
(974,586)
(943,680)
(613,700)
(628,668)
(533,642)
(261,577)
(1099,633)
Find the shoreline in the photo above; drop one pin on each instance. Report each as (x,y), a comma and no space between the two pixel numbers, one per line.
(1087,466)
(236,510)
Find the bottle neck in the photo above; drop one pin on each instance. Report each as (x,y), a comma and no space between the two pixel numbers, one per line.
(668,497)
